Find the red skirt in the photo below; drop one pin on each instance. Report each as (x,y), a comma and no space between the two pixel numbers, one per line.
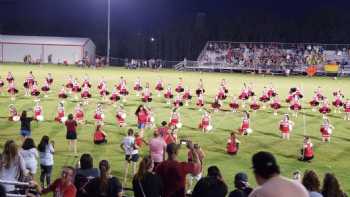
(324,110)
(254,106)
(275,106)
(114,97)
(234,105)
(314,103)
(337,103)
(62,96)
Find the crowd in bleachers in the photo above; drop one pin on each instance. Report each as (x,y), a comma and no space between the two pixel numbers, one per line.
(268,54)
(157,175)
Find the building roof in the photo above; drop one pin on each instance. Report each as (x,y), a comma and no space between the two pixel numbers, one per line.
(43,40)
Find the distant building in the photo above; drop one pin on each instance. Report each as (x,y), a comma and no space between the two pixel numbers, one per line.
(46,49)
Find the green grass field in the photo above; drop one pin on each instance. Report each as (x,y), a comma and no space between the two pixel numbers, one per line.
(333,157)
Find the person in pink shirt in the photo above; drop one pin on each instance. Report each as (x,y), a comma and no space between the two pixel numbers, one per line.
(157,147)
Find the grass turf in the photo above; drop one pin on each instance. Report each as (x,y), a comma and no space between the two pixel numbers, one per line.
(333,157)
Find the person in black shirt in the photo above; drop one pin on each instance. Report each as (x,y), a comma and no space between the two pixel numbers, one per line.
(105,185)
(25,125)
(85,174)
(145,183)
(211,185)
(241,185)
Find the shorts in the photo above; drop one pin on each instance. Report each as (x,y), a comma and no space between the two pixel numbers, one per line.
(25,133)
(141,125)
(132,158)
(71,136)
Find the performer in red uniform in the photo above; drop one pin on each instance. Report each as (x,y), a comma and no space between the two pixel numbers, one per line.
(99,115)
(69,84)
(175,121)
(224,85)
(38,112)
(168,94)
(187,96)
(286,126)
(180,86)
(200,101)
(26,87)
(178,101)
(85,94)
(137,86)
(254,105)
(60,113)
(121,116)
(338,100)
(232,146)
(49,79)
(141,115)
(147,94)
(46,88)
(234,105)
(264,97)
(245,126)
(307,152)
(35,92)
(76,88)
(221,94)
(86,82)
(150,123)
(295,106)
(114,98)
(62,95)
(325,108)
(200,90)
(104,91)
(318,94)
(216,104)
(314,103)
(326,130)
(275,105)
(123,91)
(205,124)
(244,96)
(10,77)
(159,87)
(79,113)
(347,109)
(12,90)
(271,91)
(13,114)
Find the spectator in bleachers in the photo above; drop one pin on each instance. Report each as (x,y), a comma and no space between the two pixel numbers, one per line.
(173,173)
(145,183)
(211,185)
(105,185)
(272,184)
(157,148)
(241,185)
(85,174)
(331,187)
(12,164)
(312,183)
(30,155)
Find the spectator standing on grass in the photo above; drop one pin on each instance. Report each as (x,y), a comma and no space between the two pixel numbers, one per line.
(25,125)
(241,185)
(105,185)
(71,135)
(12,164)
(145,182)
(46,151)
(211,185)
(30,155)
(201,156)
(130,149)
(272,184)
(331,187)
(157,149)
(84,174)
(173,173)
(312,183)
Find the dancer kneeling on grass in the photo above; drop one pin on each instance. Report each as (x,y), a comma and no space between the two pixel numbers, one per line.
(326,130)
(232,144)
(286,126)
(71,135)
(245,126)
(100,137)
(60,113)
(130,148)
(307,152)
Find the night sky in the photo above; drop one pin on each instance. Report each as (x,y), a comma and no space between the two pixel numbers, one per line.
(180,27)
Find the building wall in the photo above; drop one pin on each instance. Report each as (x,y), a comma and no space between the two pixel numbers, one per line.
(89,50)
(61,53)
(16,52)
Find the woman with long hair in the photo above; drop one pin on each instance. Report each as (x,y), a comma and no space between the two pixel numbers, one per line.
(142,115)
(12,165)
(30,155)
(71,135)
(312,183)
(232,146)
(25,125)
(46,151)
(105,185)
(100,137)
(145,182)
(331,187)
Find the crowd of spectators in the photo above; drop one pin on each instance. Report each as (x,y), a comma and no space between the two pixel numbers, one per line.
(167,179)
(268,54)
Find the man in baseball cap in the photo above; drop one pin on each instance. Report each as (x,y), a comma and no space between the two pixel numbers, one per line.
(272,184)
(241,185)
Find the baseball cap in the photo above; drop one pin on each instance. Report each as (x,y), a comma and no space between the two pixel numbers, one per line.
(241,177)
(264,161)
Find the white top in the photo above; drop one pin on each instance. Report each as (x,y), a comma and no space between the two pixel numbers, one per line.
(29,156)
(128,144)
(12,173)
(46,158)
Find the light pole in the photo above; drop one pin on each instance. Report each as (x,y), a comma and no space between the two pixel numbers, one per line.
(108,30)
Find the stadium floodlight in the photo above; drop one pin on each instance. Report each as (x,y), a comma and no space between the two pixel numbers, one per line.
(152,39)
(108,30)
